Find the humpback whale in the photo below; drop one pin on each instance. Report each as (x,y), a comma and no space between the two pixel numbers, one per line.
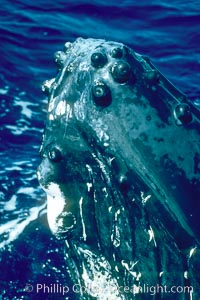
(120,167)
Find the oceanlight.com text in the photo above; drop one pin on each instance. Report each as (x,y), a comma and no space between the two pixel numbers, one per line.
(94,288)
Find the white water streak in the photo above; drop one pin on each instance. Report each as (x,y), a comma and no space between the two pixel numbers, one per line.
(82,221)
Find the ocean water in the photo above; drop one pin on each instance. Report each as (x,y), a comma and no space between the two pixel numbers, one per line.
(30,33)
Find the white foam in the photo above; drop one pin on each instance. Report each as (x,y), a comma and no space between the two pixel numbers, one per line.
(11,204)
(26,190)
(4,91)
(14,228)
(25,110)
(14,168)
(17,130)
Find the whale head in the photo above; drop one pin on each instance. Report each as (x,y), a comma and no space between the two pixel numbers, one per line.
(120,157)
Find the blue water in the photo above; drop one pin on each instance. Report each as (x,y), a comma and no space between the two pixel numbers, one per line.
(30,33)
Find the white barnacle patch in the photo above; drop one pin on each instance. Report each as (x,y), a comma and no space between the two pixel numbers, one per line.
(186,274)
(61,108)
(103,136)
(110,208)
(151,236)
(48,84)
(102,167)
(106,144)
(145,198)
(55,205)
(79,108)
(89,169)
(129,267)
(116,269)
(116,237)
(101,130)
(84,66)
(89,186)
(192,251)
(116,214)
(136,289)
(139,275)
(98,282)
(104,190)
(70,67)
(111,159)
(51,117)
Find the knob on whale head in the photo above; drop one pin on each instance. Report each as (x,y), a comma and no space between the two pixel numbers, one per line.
(116,130)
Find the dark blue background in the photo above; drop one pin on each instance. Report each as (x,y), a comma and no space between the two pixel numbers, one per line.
(30,33)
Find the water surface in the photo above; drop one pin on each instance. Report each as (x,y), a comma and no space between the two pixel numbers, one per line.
(30,33)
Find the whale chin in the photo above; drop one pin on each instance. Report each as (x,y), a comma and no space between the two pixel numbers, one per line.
(60,219)
(61,222)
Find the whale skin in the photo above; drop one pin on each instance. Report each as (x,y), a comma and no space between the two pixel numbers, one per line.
(120,166)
